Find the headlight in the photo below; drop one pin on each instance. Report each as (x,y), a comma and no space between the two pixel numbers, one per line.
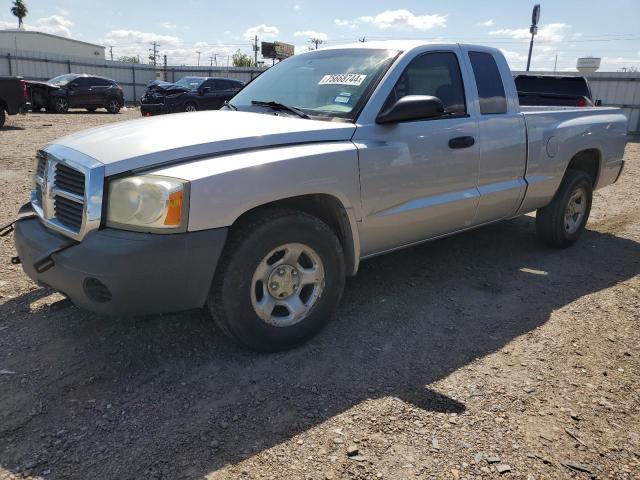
(148,202)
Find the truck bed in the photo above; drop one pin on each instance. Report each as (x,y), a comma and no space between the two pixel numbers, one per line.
(556,134)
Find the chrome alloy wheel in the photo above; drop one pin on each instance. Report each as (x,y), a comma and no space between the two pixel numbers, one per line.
(114,105)
(62,105)
(287,284)
(190,108)
(574,213)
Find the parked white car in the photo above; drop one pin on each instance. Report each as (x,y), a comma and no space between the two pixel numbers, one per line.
(260,210)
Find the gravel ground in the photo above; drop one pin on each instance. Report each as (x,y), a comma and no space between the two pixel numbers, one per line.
(463,358)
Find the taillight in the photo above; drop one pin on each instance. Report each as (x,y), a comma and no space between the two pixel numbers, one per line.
(582,102)
(24,88)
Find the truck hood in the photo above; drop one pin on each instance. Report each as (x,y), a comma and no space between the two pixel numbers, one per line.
(154,141)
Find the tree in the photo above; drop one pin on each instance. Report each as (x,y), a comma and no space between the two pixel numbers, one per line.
(19,10)
(241,59)
(127,59)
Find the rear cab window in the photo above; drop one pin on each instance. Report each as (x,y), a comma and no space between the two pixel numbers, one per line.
(435,74)
(489,83)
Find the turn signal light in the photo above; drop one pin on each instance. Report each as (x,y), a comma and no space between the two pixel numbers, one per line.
(174,210)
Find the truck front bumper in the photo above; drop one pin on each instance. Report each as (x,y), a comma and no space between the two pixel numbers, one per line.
(116,272)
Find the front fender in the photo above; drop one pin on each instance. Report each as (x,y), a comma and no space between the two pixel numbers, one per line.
(226,186)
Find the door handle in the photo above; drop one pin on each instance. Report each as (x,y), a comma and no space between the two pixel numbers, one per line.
(462,142)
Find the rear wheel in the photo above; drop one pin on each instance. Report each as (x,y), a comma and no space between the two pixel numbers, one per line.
(113,105)
(562,221)
(279,281)
(190,107)
(60,105)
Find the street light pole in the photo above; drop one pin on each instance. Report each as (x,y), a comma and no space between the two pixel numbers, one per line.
(535,16)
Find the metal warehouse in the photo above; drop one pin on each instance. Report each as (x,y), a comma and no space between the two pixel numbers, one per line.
(31,41)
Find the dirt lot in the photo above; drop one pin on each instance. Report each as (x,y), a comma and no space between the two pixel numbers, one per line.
(472,355)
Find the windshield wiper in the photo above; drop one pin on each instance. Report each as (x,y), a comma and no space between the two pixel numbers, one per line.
(228,105)
(280,106)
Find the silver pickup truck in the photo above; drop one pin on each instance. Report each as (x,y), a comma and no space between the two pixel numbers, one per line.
(259,211)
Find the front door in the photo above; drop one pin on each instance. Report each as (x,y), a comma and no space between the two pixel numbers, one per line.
(419,178)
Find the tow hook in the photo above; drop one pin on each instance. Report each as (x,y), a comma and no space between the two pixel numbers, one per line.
(43,264)
(6,229)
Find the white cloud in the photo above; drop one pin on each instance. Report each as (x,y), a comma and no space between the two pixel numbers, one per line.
(55,24)
(311,34)
(262,31)
(168,25)
(129,37)
(488,23)
(551,33)
(405,19)
(297,8)
(345,23)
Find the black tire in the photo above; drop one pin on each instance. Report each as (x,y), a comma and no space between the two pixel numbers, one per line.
(190,107)
(60,105)
(551,221)
(232,291)
(3,117)
(91,109)
(113,105)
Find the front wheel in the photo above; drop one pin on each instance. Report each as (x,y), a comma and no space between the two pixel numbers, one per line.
(190,107)
(279,281)
(562,221)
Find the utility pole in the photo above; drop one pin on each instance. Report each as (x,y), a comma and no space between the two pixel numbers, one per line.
(316,41)
(213,59)
(363,39)
(535,16)
(255,51)
(111,52)
(555,64)
(198,52)
(165,67)
(153,56)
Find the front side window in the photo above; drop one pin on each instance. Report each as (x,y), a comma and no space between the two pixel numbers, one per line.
(63,79)
(489,83)
(434,74)
(324,84)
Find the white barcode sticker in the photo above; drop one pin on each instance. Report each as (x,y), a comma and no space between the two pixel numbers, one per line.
(343,79)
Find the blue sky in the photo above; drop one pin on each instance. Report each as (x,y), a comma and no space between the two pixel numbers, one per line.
(569,29)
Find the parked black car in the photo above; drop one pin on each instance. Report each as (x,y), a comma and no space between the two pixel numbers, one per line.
(13,97)
(189,94)
(554,91)
(75,90)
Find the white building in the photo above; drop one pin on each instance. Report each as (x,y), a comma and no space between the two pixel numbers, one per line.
(32,41)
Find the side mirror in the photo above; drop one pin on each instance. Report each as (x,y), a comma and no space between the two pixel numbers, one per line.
(204,90)
(411,107)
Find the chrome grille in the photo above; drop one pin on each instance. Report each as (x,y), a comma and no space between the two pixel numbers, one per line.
(68,212)
(69,180)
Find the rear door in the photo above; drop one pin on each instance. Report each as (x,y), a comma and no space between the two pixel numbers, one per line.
(501,135)
(98,90)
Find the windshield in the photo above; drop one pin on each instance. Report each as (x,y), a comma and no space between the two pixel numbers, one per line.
(192,83)
(62,79)
(326,83)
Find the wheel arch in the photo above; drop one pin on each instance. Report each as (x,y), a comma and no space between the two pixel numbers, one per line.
(589,161)
(331,211)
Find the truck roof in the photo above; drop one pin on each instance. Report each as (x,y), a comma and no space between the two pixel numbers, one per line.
(404,45)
